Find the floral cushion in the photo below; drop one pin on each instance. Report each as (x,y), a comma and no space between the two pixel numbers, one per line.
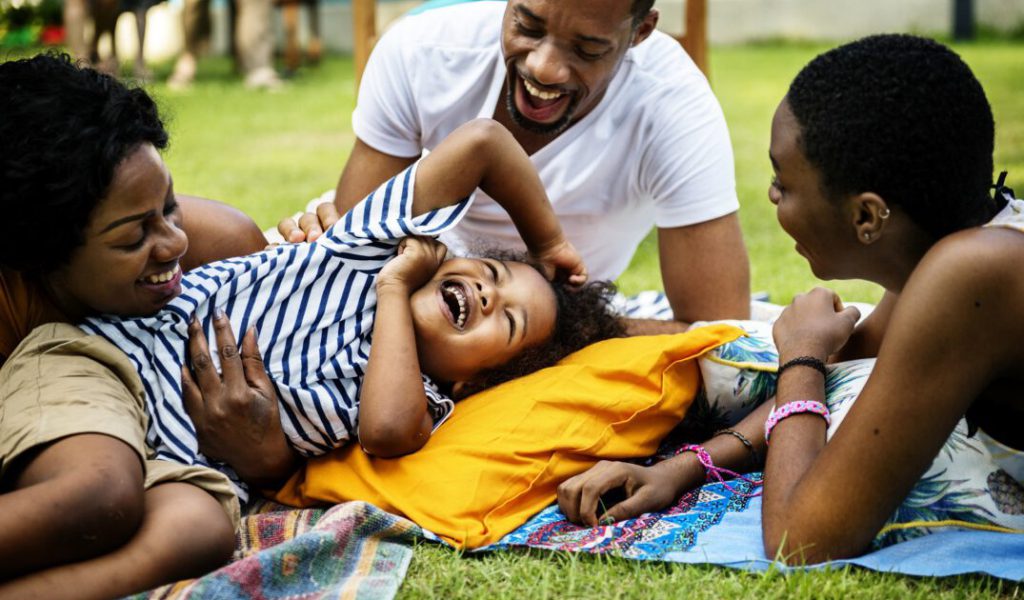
(969,484)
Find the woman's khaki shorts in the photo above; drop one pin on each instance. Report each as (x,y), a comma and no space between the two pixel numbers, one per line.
(61,382)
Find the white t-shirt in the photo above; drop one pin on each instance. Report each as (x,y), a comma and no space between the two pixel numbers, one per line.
(655,151)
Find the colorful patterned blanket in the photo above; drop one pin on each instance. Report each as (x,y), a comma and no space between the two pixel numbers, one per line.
(715,526)
(352,550)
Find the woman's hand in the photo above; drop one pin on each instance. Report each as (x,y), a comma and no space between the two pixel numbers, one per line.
(814,324)
(235,413)
(417,261)
(646,489)
(561,258)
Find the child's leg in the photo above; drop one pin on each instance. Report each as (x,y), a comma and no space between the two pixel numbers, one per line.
(185,533)
(77,498)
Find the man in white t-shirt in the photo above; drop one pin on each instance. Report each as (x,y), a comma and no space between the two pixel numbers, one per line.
(621,125)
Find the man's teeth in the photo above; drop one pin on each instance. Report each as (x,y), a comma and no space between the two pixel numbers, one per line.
(540,93)
(162,277)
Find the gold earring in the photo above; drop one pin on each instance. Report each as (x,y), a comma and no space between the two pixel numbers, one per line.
(884,213)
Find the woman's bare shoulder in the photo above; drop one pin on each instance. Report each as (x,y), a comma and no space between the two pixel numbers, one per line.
(970,281)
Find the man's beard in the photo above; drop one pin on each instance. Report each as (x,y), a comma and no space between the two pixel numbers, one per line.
(550,129)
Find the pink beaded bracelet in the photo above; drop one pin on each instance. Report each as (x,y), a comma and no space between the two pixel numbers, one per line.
(794,408)
(712,471)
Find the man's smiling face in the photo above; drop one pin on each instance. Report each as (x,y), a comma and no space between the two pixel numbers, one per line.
(561,55)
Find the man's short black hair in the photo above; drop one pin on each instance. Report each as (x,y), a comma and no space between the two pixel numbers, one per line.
(903,117)
(64,129)
(640,9)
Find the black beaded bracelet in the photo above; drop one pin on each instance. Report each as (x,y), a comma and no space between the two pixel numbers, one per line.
(755,456)
(804,361)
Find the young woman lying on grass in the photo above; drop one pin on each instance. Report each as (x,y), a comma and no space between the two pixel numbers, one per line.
(90,225)
(882,152)
(437,326)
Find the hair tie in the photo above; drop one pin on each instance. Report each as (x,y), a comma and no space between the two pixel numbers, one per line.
(1002,194)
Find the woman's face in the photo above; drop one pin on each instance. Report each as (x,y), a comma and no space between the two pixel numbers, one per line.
(822,229)
(128,263)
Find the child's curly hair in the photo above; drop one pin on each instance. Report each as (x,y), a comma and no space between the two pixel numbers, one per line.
(584,316)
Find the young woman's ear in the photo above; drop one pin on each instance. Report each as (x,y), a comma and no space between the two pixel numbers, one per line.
(870,216)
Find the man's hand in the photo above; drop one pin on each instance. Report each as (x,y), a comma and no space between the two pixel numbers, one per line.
(310,225)
(235,413)
(561,259)
(417,261)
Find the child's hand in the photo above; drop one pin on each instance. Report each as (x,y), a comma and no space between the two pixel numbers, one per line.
(417,261)
(562,258)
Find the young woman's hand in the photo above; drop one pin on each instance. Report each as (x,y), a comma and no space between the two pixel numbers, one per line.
(814,324)
(561,259)
(417,260)
(646,489)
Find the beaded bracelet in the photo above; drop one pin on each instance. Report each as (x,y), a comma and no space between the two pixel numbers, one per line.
(795,408)
(803,361)
(712,471)
(755,456)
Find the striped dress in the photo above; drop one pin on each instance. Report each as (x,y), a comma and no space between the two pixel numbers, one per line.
(313,306)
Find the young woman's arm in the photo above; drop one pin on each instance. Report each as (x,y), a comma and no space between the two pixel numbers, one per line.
(954,331)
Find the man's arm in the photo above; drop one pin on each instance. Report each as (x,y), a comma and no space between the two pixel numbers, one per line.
(705,270)
(366,169)
(216,231)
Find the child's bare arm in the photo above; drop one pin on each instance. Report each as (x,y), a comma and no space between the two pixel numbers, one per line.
(482,153)
(393,415)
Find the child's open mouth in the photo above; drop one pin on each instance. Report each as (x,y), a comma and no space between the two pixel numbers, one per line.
(455,298)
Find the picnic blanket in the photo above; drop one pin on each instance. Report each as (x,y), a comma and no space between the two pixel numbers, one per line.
(713,525)
(352,550)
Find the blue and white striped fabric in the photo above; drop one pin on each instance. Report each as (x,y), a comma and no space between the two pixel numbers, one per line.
(313,306)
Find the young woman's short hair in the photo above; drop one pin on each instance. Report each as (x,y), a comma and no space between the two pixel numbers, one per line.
(903,117)
(64,131)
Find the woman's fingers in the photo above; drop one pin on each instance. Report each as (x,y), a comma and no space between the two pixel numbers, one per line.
(199,357)
(227,348)
(192,398)
(580,496)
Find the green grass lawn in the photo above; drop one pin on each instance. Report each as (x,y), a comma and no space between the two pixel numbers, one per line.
(268,153)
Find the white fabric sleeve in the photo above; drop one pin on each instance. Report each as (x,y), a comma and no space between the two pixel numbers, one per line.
(385,116)
(688,165)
